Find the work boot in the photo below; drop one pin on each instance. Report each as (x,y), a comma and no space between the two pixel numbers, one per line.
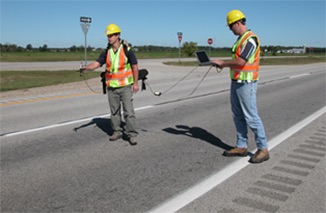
(115,136)
(260,156)
(133,141)
(241,152)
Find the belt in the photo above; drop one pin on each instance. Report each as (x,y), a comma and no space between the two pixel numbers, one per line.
(244,81)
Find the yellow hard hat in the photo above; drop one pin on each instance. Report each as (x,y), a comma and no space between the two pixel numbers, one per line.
(234,16)
(112,29)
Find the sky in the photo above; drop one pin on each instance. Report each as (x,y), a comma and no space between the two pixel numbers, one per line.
(154,22)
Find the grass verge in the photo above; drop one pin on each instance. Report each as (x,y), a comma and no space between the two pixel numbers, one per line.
(15,80)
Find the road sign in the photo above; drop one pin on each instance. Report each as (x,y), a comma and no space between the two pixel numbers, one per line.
(210,41)
(85,27)
(86,19)
(179,38)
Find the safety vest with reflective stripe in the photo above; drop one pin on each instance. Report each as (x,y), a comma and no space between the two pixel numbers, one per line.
(250,70)
(118,70)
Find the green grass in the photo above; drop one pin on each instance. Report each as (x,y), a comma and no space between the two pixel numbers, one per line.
(79,56)
(46,56)
(15,80)
(292,60)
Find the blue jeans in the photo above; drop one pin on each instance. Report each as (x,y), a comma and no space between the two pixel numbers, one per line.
(245,114)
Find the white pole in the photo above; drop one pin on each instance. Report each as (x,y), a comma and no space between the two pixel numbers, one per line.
(85,55)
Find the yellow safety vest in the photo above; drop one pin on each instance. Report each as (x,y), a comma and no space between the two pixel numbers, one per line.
(252,66)
(118,69)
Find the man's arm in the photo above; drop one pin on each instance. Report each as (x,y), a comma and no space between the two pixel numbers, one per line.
(96,64)
(231,63)
(134,66)
(245,54)
(92,66)
(135,75)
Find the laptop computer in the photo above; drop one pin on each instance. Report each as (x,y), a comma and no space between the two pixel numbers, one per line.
(203,58)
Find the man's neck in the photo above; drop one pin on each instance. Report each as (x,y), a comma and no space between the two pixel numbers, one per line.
(243,30)
(116,45)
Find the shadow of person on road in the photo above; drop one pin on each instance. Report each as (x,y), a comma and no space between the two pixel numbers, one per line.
(102,123)
(197,132)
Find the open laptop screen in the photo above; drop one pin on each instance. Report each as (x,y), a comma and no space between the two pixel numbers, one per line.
(203,58)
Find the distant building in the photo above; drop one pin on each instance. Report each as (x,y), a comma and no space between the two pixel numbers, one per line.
(295,50)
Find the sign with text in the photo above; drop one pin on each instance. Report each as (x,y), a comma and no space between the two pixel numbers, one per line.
(210,41)
(85,25)
(179,36)
(86,19)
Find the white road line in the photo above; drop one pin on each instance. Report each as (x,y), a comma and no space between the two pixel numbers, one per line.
(298,76)
(64,124)
(184,198)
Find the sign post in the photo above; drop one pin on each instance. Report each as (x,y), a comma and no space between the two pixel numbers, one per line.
(179,39)
(210,42)
(85,26)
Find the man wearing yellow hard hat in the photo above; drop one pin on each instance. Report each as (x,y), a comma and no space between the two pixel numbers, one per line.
(121,78)
(244,67)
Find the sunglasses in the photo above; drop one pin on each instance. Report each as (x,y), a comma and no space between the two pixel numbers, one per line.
(231,25)
(109,36)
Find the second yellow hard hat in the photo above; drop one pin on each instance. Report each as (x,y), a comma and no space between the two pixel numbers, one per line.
(234,16)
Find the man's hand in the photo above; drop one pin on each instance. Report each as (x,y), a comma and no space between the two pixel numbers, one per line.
(81,71)
(135,87)
(219,63)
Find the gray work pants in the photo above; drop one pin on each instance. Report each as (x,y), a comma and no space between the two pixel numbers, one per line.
(118,96)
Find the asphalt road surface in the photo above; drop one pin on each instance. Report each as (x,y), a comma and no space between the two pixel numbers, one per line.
(56,155)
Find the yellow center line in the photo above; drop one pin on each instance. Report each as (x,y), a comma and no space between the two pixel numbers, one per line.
(10,103)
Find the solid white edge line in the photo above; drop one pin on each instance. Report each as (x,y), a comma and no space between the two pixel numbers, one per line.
(184,198)
(63,124)
(298,76)
(52,126)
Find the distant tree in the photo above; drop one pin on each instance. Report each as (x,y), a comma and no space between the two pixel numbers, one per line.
(29,47)
(44,48)
(189,48)
(73,48)
(20,49)
(89,48)
(9,48)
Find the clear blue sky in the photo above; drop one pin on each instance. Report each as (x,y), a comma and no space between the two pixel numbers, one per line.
(56,23)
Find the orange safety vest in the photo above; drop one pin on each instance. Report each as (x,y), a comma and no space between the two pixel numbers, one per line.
(252,66)
(118,69)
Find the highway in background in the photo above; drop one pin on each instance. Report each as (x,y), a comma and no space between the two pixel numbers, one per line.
(56,156)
